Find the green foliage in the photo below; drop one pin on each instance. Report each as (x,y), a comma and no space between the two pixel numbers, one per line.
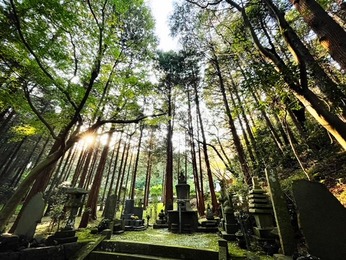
(56,208)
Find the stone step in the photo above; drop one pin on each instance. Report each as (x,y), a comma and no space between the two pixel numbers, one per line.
(154,250)
(125,256)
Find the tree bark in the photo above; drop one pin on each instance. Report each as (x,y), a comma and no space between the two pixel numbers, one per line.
(330,34)
(134,174)
(199,194)
(214,203)
(169,155)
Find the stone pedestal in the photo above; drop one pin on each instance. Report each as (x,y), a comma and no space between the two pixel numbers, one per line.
(211,223)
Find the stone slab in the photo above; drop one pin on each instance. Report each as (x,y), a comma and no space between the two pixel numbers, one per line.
(257,196)
(261,211)
(32,215)
(322,220)
(260,201)
(257,191)
(257,205)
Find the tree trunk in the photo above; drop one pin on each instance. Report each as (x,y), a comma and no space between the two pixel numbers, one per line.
(245,136)
(123,170)
(199,194)
(330,34)
(317,108)
(149,168)
(110,190)
(95,188)
(214,203)
(169,156)
(236,140)
(134,175)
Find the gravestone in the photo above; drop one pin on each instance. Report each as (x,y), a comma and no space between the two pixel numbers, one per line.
(282,217)
(322,220)
(110,207)
(32,215)
(133,216)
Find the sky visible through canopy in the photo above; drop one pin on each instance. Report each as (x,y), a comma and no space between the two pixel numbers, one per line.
(161,10)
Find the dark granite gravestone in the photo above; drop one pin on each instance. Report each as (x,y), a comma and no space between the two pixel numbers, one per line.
(322,220)
(183,220)
(133,216)
(32,215)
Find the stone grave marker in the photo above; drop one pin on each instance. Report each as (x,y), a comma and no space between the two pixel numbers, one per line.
(282,217)
(322,220)
(32,215)
(110,207)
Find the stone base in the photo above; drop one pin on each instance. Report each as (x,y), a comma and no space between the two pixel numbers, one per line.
(207,229)
(62,237)
(228,237)
(158,225)
(9,242)
(209,223)
(134,222)
(189,221)
(134,228)
(231,228)
(118,228)
(185,228)
(263,232)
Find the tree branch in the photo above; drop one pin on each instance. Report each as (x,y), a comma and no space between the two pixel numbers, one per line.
(129,121)
(31,51)
(204,6)
(37,113)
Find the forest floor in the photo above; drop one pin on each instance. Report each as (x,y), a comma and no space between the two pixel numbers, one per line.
(198,240)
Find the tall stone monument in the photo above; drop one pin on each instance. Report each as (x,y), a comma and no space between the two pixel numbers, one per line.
(184,219)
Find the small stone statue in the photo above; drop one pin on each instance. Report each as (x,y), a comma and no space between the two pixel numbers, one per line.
(181,178)
(209,213)
(162,217)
